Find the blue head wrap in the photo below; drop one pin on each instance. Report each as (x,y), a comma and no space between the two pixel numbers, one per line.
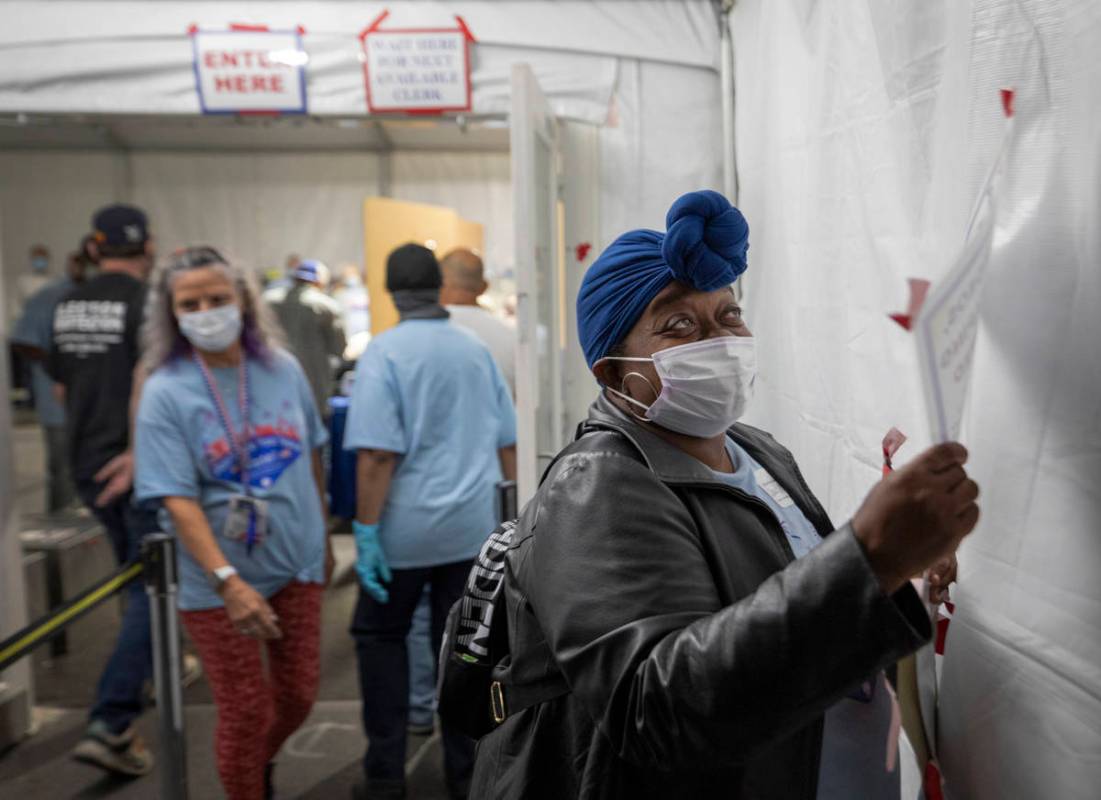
(704,246)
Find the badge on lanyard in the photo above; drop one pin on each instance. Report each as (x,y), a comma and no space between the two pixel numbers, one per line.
(247,520)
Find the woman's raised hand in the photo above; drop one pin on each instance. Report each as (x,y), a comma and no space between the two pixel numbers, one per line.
(917,515)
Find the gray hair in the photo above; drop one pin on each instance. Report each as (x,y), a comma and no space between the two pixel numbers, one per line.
(160,333)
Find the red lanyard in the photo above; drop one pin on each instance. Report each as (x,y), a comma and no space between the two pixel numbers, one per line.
(238,444)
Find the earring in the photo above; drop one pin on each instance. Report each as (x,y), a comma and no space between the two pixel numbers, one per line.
(623,393)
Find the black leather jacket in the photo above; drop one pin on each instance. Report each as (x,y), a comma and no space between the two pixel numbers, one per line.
(699,655)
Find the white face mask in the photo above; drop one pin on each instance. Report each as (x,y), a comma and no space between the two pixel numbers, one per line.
(213,330)
(705,386)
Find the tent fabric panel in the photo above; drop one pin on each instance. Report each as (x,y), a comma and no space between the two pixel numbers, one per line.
(864,133)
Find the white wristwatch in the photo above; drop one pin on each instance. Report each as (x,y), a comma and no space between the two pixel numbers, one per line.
(218,577)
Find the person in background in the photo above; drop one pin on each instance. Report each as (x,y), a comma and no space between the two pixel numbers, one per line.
(229,439)
(284,279)
(37,277)
(27,284)
(314,328)
(351,295)
(433,423)
(463,283)
(32,336)
(93,359)
(709,632)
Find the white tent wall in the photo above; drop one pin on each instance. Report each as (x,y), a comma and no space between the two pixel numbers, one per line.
(477,185)
(663,137)
(864,131)
(48,198)
(258,207)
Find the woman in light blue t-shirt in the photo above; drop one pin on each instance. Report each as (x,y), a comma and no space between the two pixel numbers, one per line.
(228,437)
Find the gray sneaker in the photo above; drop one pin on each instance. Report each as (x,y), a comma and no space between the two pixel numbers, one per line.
(124,753)
(191,669)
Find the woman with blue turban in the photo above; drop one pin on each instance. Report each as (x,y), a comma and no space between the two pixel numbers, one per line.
(684,619)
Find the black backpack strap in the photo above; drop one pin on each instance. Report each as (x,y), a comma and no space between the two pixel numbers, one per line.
(507,700)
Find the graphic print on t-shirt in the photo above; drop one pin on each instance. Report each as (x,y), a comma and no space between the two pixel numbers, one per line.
(83,327)
(275,444)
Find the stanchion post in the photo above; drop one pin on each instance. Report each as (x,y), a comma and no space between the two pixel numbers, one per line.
(161,584)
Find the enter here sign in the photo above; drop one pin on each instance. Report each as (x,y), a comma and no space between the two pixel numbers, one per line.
(250,71)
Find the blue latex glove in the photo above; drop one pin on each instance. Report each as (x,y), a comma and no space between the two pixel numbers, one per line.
(370,562)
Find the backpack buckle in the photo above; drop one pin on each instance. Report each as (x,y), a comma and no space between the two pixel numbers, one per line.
(497,702)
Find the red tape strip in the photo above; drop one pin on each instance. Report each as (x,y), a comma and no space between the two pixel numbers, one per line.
(374,25)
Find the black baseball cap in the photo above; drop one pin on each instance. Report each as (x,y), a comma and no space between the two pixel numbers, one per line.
(120,225)
(412,266)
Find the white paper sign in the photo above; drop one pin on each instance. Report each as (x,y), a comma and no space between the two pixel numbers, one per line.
(947,326)
(250,71)
(948,322)
(417,71)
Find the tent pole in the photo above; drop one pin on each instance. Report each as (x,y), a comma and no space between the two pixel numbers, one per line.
(726,71)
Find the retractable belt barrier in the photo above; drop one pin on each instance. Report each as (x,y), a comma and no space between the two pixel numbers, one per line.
(42,630)
(158,565)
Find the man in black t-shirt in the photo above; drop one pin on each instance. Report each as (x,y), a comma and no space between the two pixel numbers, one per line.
(94,354)
(93,359)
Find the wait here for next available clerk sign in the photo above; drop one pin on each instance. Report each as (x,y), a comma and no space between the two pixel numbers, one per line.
(250,70)
(417,70)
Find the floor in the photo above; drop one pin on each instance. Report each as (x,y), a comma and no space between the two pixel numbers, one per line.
(322,760)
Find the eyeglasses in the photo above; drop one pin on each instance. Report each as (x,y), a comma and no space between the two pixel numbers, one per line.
(194,257)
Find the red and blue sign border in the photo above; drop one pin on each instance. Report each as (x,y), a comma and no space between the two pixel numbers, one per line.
(239,28)
(468,39)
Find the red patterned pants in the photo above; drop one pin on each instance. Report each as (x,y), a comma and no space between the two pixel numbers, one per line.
(257,711)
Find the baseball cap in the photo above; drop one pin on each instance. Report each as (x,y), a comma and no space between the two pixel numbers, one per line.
(309,270)
(120,225)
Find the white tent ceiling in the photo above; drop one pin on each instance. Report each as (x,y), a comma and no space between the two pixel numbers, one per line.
(136,57)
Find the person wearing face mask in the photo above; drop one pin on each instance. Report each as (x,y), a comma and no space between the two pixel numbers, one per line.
(37,277)
(229,439)
(687,617)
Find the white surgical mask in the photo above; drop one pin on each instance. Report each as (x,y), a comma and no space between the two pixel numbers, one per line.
(213,330)
(705,386)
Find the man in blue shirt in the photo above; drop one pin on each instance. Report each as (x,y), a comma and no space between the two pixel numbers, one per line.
(31,337)
(433,423)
